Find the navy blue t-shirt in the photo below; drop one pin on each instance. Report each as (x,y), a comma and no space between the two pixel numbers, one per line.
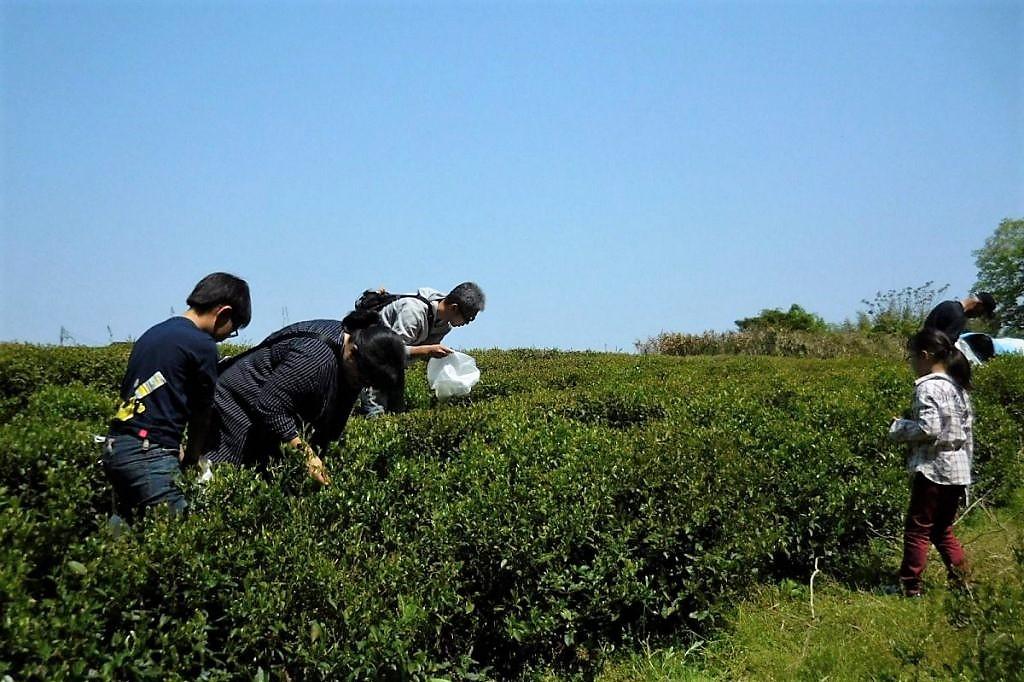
(948,317)
(171,375)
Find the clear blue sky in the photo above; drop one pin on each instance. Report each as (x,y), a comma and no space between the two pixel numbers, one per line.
(605,171)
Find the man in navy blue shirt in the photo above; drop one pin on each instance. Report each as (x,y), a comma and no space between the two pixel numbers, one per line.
(950,317)
(167,388)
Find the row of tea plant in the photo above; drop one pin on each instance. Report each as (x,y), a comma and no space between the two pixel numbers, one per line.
(574,503)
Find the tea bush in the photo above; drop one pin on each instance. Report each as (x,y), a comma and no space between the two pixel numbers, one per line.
(25,369)
(573,503)
(777,342)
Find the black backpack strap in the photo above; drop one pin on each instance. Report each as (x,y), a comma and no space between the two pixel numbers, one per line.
(273,340)
(378,299)
(426,302)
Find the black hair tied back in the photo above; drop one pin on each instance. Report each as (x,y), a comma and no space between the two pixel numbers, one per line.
(380,354)
(941,347)
(931,341)
(360,319)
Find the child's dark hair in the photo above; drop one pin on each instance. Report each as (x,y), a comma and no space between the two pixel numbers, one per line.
(469,297)
(221,288)
(939,346)
(380,354)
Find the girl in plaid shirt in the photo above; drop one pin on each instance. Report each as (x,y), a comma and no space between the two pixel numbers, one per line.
(939,432)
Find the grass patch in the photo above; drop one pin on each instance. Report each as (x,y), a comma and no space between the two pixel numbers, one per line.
(853,634)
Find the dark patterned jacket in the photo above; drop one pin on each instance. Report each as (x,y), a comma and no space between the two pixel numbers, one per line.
(290,388)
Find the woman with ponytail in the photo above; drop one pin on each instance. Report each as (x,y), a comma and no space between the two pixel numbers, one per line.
(297,388)
(939,431)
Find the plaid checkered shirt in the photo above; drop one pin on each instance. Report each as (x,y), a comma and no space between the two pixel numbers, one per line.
(940,433)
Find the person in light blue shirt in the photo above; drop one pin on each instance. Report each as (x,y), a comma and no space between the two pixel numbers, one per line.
(981,348)
(1007,345)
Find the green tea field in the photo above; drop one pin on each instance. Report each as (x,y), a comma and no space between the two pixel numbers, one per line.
(574,507)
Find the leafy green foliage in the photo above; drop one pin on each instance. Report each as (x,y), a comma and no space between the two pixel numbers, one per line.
(572,502)
(900,312)
(1001,272)
(25,369)
(994,613)
(795,319)
(776,342)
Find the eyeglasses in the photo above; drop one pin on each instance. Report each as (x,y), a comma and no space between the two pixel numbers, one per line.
(233,334)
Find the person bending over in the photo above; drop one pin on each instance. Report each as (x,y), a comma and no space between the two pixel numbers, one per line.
(422,320)
(950,317)
(297,388)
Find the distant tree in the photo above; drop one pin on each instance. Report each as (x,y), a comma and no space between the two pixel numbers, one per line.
(796,319)
(1001,272)
(899,311)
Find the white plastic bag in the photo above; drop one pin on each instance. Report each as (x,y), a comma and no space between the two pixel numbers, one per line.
(455,374)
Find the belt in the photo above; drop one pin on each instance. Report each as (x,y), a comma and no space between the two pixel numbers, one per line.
(140,434)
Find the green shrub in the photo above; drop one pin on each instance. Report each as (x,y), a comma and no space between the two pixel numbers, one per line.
(587,500)
(999,447)
(74,402)
(25,369)
(900,312)
(777,342)
(795,319)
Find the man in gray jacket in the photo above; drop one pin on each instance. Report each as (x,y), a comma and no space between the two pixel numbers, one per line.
(422,320)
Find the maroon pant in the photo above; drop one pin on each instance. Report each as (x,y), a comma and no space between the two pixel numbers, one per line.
(930,520)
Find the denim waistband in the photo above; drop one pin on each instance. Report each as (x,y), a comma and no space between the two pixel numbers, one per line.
(145,444)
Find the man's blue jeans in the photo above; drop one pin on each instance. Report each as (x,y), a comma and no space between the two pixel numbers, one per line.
(143,475)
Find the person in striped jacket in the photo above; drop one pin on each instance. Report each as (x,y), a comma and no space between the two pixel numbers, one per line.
(297,388)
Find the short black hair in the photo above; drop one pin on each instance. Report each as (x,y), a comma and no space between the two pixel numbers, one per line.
(981,345)
(469,297)
(988,302)
(221,288)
